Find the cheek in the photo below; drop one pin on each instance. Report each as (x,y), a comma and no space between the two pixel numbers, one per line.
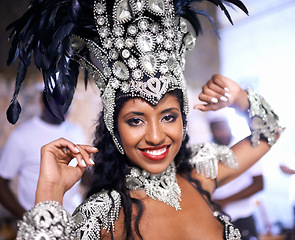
(129,136)
(176,132)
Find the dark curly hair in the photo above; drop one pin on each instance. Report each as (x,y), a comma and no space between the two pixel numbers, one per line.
(111,166)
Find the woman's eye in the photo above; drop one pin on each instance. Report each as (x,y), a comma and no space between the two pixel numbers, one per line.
(169,118)
(134,121)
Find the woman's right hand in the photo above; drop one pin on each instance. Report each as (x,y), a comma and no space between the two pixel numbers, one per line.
(56,176)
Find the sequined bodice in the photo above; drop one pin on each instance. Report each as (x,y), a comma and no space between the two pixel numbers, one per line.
(230,232)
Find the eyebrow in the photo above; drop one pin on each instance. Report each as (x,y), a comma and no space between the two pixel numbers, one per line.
(142,114)
(135,113)
(170,109)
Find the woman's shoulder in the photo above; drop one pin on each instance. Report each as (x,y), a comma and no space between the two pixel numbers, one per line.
(98,211)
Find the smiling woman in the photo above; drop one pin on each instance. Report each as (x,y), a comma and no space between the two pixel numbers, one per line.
(151,135)
(148,183)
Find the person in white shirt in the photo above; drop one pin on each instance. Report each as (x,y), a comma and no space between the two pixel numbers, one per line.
(21,158)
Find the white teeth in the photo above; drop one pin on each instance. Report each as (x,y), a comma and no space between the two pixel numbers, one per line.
(156,152)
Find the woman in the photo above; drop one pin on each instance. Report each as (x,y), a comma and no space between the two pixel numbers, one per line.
(152,137)
(148,183)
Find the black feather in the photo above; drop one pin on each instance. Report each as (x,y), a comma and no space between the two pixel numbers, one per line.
(44,32)
(188,10)
(13,111)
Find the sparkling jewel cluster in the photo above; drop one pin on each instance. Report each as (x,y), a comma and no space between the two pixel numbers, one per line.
(230,231)
(139,50)
(263,120)
(47,220)
(101,210)
(162,187)
(207,156)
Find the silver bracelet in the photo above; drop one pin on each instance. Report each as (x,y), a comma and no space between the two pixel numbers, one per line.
(207,156)
(263,120)
(47,220)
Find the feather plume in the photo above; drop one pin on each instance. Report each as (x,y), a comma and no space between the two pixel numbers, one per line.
(44,32)
(13,111)
(187,10)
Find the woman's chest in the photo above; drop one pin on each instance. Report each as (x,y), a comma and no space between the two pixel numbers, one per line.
(194,221)
(160,221)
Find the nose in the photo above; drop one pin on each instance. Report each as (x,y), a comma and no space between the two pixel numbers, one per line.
(154,135)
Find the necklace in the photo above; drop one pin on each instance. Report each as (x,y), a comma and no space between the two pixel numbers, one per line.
(162,187)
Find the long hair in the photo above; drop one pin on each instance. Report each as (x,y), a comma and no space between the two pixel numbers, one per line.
(111,167)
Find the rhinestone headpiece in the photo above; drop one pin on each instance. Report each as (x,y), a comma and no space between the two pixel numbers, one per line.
(139,50)
(131,48)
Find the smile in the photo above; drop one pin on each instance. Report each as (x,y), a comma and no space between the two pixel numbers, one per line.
(155,154)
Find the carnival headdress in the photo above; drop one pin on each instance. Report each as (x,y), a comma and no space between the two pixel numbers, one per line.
(130,47)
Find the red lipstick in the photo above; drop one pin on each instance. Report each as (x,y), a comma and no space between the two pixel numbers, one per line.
(155,154)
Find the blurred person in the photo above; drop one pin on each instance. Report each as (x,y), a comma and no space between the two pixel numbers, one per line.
(21,159)
(236,197)
(219,126)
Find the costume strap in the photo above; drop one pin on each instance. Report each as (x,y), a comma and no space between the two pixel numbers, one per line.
(206,157)
(263,121)
(47,220)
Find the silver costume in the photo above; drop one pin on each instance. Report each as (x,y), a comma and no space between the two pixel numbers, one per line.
(49,220)
(263,120)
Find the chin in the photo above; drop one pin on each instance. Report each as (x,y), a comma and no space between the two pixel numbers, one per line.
(156,167)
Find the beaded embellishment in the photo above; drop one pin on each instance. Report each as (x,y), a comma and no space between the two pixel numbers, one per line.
(99,211)
(230,231)
(162,187)
(47,220)
(263,120)
(206,157)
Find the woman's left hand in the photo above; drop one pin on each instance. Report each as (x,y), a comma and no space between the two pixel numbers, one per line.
(221,92)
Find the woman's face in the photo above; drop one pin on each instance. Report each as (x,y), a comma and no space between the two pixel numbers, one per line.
(151,135)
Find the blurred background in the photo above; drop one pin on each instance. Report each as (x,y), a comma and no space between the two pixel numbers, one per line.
(258,51)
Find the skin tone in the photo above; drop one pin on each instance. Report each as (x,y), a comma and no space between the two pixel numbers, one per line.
(151,137)
(9,200)
(221,132)
(285,169)
(56,177)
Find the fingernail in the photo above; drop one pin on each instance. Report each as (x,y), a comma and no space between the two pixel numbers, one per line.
(77,149)
(224,99)
(227,95)
(83,163)
(91,161)
(95,148)
(214,100)
(226,89)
